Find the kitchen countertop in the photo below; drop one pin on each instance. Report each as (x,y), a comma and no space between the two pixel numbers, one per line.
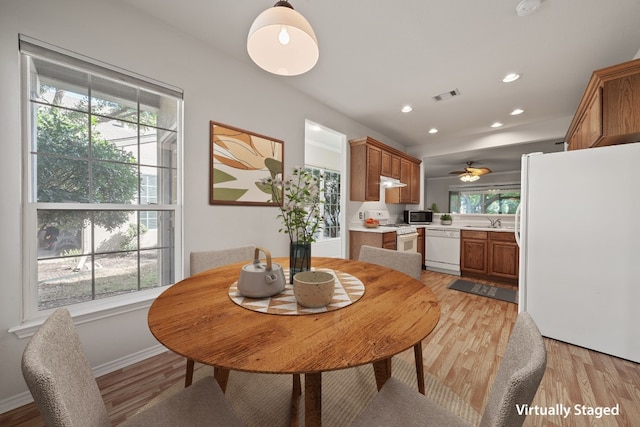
(381,229)
(504,229)
(372,230)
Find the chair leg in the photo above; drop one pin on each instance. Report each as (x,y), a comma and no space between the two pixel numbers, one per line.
(188,378)
(417,351)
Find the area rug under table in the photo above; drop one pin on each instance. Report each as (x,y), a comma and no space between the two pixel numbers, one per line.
(263,400)
(488,291)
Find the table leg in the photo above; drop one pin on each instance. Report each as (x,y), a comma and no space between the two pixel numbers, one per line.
(295,399)
(417,350)
(222,376)
(382,371)
(188,378)
(313,399)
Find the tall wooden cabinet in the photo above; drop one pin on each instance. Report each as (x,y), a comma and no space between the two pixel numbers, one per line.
(370,159)
(609,112)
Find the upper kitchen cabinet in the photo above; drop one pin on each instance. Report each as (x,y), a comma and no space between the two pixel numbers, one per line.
(609,112)
(371,159)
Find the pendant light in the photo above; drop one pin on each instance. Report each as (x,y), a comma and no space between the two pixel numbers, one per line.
(281,41)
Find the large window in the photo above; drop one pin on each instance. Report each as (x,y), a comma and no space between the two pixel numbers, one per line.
(102,196)
(330,185)
(502,199)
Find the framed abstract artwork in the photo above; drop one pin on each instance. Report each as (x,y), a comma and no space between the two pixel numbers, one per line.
(239,160)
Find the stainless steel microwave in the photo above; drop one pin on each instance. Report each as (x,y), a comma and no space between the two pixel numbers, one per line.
(418,217)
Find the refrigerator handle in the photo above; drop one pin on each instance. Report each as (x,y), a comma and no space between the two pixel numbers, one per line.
(516,230)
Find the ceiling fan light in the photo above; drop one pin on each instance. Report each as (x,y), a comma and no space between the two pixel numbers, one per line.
(469,177)
(281,41)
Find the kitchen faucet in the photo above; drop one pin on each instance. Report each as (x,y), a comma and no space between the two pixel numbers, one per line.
(495,223)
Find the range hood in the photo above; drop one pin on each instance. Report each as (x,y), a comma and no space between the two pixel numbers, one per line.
(388,182)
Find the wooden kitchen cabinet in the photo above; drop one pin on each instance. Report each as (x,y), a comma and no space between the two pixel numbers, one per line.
(370,159)
(421,244)
(503,256)
(492,255)
(390,165)
(414,184)
(609,112)
(473,252)
(378,240)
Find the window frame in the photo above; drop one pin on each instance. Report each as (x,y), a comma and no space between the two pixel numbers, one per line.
(32,317)
(483,190)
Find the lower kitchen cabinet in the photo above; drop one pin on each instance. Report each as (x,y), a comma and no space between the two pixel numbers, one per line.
(473,252)
(377,240)
(491,255)
(504,256)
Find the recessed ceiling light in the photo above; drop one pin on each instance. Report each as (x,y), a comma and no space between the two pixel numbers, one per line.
(433,130)
(407,109)
(496,125)
(517,111)
(511,77)
(527,7)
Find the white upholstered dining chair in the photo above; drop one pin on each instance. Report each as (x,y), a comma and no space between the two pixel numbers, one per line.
(58,374)
(409,263)
(200,261)
(516,383)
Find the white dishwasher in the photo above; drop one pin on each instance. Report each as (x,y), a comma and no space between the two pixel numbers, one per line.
(443,250)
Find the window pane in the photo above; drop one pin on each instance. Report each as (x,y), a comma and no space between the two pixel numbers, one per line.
(58,85)
(155,228)
(158,185)
(63,281)
(63,233)
(158,148)
(114,182)
(156,268)
(114,140)
(158,111)
(116,274)
(62,180)
(61,131)
(113,99)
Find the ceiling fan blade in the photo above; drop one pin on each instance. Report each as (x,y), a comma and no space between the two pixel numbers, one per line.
(479,171)
(457,172)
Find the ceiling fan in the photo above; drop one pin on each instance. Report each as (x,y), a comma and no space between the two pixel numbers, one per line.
(470,174)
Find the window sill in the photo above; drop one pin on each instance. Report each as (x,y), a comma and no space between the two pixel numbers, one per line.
(93,310)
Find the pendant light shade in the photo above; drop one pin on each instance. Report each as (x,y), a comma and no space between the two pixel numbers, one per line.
(281,41)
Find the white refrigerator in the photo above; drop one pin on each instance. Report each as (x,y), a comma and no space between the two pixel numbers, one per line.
(579,235)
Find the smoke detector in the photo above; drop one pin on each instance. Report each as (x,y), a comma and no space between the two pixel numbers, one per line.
(527,7)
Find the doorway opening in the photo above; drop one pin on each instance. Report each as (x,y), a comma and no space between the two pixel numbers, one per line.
(324,153)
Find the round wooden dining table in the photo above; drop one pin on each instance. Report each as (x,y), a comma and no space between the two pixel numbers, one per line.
(197,319)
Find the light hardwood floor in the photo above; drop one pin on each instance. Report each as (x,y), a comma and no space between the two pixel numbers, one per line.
(463,352)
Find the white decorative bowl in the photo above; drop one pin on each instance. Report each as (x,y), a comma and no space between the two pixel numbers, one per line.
(313,289)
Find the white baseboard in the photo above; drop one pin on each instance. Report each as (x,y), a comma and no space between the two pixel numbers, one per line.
(24,398)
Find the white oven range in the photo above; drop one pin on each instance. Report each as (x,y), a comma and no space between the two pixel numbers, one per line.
(406,235)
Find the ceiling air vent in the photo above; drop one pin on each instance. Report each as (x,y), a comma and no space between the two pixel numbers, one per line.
(446,95)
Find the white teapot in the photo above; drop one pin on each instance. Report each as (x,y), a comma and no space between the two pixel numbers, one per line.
(261,280)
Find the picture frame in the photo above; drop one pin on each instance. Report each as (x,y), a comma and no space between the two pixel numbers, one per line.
(239,160)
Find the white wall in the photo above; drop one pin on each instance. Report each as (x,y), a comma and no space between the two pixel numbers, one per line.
(216,88)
